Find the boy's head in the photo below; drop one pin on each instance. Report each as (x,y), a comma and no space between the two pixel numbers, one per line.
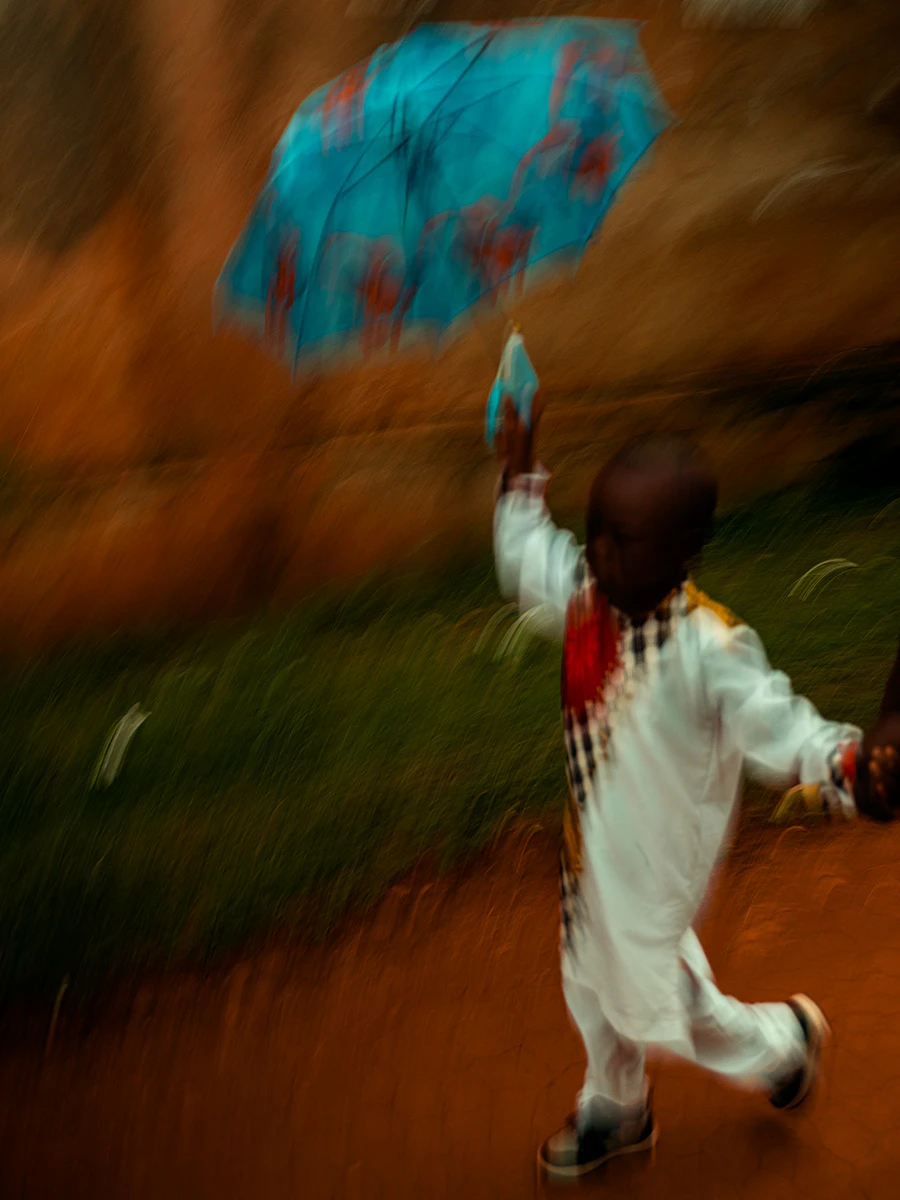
(650,511)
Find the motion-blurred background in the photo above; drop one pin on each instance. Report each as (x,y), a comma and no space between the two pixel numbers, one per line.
(150,473)
(293,579)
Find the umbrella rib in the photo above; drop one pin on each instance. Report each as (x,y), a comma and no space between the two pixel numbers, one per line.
(316,256)
(440,67)
(481,49)
(599,87)
(457,113)
(405,141)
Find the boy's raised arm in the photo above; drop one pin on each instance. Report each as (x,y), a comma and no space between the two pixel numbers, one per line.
(536,562)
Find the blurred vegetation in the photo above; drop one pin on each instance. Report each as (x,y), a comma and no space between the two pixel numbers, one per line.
(295,766)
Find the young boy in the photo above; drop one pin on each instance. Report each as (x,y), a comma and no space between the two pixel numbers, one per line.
(666,697)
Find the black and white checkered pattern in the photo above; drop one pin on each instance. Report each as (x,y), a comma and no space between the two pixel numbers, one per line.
(590,739)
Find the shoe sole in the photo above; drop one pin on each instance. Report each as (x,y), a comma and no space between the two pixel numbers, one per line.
(818,1037)
(568,1174)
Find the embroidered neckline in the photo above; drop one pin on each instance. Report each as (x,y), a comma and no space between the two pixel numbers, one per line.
(676,604)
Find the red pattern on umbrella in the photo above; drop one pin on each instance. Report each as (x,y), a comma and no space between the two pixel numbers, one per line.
(282,292)
(608,62)
(505,252)
(594,167)
(380,293)
(494,249)
(344,104)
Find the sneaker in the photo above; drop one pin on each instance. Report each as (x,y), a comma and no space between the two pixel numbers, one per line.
(569,1154)
(795,1088)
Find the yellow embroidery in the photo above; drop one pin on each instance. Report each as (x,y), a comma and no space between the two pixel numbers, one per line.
(799,801)
(697,599)
(572,839)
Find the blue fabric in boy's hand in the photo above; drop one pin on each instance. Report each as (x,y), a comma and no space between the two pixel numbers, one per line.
(516,378)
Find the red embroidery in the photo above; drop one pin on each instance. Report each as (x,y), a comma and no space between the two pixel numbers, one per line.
(848,765)
(590,655)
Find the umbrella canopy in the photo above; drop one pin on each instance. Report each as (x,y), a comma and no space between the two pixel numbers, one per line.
(445,170)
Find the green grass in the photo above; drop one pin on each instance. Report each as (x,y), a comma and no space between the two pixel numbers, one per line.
(295,766)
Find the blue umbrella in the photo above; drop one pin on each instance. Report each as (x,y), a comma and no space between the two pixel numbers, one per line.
(450,168)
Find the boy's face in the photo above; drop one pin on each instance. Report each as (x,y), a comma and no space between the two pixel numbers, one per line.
(642,548)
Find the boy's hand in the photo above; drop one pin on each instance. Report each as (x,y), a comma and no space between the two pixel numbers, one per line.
(515,445)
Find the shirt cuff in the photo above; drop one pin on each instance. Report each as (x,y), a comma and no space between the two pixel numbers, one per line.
(837,793)
(533,485)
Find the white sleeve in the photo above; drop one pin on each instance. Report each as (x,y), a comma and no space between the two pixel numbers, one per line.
(781,736)
(536,562)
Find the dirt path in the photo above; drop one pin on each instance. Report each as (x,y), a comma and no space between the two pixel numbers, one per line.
(426,1054)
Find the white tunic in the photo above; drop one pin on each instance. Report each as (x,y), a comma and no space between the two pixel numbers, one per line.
(660,803)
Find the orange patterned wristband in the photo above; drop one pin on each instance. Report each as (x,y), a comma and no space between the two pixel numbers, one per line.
(848,764)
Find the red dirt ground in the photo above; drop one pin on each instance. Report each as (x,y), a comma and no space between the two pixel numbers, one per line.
(425,1053)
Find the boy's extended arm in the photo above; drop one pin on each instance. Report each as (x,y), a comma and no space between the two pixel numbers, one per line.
(536,562)
(781,736)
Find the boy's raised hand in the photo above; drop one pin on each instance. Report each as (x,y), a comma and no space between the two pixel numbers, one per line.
(515,445)
(877,788)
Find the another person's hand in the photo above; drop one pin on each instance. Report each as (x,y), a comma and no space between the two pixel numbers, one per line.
(877,788)
(515,445)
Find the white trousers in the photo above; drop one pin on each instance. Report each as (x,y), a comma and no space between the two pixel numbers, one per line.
(750,1044)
